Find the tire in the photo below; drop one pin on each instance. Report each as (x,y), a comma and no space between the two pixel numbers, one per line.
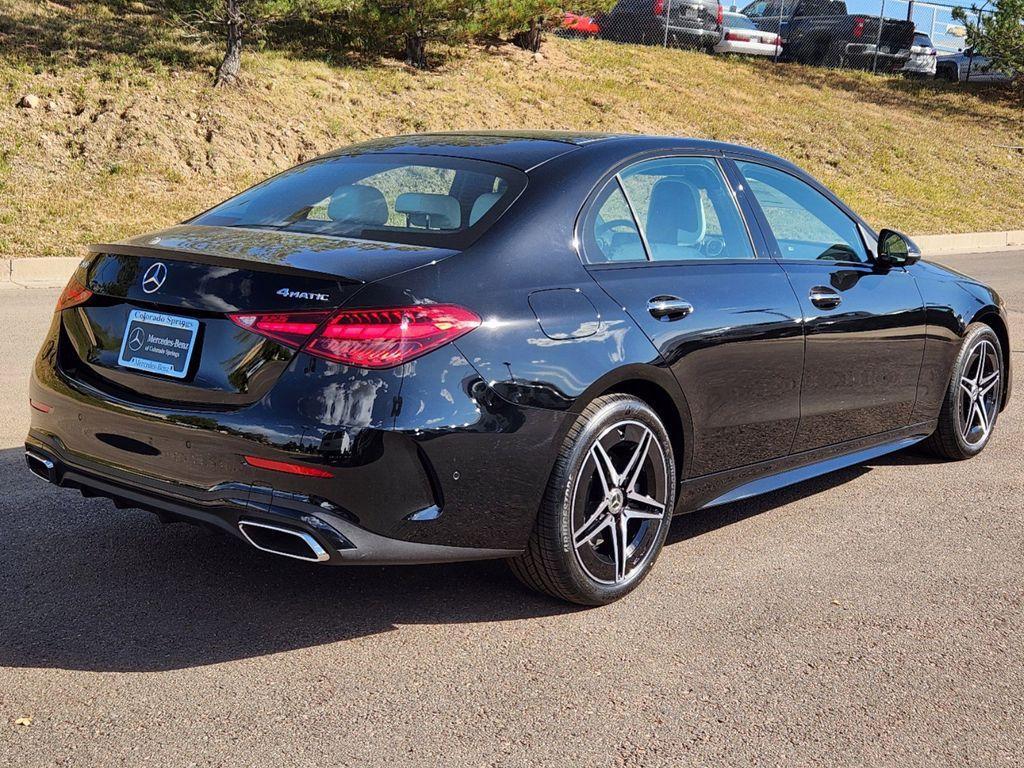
(973,398)
(574,551)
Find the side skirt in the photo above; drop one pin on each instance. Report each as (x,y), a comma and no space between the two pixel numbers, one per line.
(756,479)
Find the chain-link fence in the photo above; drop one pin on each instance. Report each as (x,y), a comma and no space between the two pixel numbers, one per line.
(883,36)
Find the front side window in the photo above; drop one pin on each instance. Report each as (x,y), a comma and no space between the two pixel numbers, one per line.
(404,199)
(806,224)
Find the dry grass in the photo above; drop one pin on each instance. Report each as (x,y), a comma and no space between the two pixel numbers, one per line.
(135,142)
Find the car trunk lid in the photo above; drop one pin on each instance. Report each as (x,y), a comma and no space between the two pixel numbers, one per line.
(157,328)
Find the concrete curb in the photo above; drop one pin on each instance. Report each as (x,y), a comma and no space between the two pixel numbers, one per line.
(974,242)
(54,271)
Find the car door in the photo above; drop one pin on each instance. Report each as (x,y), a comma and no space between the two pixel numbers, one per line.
(864,325)
(665,239)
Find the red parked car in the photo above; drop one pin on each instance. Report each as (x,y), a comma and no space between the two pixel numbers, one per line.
(575,25)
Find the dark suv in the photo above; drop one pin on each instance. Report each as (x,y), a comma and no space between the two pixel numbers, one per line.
(681,23)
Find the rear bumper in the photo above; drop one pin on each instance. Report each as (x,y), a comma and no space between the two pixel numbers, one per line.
(448,471)
(746,49)
(229,506)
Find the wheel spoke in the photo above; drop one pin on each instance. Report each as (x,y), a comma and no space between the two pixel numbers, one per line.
(621,540)
(971,414)
(983,416)
(987,383)
(594,525)
(640,498)
(641,514)
(637,461)
(605,469)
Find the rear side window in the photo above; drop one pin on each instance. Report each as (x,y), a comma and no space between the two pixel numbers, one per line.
(806,224)
(408,199)
(669,209)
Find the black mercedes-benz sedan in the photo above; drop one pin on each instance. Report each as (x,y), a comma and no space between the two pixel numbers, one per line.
(532,346)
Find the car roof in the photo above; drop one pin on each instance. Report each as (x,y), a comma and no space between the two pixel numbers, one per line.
(528,149)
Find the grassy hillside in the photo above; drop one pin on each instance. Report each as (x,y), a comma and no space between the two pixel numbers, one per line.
(129,136)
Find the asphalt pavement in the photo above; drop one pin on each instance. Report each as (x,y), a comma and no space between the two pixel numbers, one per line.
(872,617)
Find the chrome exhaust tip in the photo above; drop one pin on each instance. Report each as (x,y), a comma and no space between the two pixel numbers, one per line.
(286,542)
(41,467)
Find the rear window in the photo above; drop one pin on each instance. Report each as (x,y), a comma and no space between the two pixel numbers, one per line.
(408,199)
(923,40)
(738,22)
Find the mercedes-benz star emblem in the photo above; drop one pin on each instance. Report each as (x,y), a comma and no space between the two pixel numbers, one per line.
(136,340)
(154,278)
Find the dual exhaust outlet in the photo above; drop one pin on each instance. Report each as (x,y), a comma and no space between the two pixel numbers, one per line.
(267,537)
(287,542)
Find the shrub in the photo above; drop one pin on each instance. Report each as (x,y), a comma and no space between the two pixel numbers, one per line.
(409,25)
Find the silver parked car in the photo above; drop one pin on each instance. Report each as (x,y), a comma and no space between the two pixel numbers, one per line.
(923,57)
(741,35)
(967,66)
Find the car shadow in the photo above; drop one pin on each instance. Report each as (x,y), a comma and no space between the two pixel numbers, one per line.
(84,586)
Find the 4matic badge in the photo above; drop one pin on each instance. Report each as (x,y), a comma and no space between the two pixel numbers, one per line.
(290,294)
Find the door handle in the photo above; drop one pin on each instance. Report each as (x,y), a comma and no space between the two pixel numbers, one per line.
(825,298)
(669,307)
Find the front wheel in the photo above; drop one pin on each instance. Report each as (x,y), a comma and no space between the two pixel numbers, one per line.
(973,398)
(607,508)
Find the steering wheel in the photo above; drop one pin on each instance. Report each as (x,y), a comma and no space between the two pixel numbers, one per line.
(713,247)
(604,229)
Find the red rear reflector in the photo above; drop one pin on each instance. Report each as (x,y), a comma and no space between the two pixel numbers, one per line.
(737,37)
(365,338)
(287,467)
(41,407)
(74,294)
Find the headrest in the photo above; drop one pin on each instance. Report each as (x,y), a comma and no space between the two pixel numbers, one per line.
(675,215)
(483,204)
(431,211)
(359,204)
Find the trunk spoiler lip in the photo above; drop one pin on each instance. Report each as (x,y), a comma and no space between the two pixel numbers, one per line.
(341,260)
(202,257)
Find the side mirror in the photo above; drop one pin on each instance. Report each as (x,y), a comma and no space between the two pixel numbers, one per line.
(896,249)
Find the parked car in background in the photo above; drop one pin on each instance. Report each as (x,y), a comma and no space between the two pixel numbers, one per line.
(741,35)
(822,32)
(574,25)
(923,57)
(682,23)
(964,66)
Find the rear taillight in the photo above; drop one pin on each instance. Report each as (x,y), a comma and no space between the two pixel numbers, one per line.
(74,294)
(737,37)
(858,26)
(292,329)
(659,7)
(365,338)
(721,15)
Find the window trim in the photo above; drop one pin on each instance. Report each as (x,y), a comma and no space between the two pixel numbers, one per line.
(769,235)
(614,174)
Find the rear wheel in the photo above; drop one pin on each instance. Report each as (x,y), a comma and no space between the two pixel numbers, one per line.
(608,505)
(973,398)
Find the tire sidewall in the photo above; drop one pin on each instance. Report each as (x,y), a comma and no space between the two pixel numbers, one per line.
(619,409)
